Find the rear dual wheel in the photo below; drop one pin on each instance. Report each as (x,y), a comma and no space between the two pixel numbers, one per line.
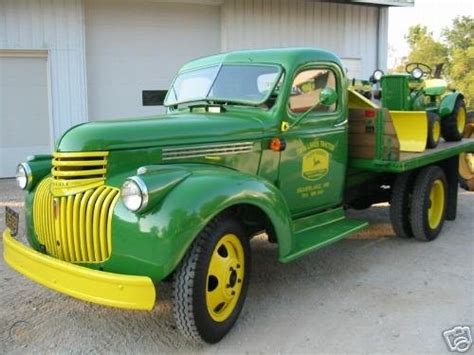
(428,205)
(210,286)
(418,204)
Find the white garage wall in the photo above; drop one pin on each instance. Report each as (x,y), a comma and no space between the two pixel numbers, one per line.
(24,117)
(156,36)
(135,45)
(348,30)
(56,26)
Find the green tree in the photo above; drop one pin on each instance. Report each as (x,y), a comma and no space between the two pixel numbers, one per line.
(424,48)
(460,67)
(455,50)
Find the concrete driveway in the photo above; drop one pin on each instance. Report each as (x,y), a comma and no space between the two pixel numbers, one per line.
(370,293)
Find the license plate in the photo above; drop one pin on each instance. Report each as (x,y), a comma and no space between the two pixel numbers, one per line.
(11,220)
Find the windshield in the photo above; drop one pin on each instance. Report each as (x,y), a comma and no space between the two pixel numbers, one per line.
(239,83)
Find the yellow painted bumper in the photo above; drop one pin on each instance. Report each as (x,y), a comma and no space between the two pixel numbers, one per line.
(123,291)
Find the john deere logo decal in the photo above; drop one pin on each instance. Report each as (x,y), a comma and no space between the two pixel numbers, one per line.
(315,164)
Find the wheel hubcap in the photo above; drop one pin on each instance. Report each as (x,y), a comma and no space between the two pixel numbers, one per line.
(436,205)
(461,119)
(225,277)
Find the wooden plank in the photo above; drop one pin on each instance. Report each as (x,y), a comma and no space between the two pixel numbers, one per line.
(361,152)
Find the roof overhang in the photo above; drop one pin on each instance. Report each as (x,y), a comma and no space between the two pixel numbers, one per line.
(384,2)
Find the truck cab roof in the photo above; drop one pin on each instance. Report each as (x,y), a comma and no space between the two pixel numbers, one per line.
(288,58)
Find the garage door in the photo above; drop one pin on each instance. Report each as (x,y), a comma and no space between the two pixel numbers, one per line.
(133,46)
(24,114)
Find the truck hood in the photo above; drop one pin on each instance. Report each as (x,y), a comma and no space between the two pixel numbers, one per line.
(165,130)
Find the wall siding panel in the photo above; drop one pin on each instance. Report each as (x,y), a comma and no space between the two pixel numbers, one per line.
(56,26)
(348,30)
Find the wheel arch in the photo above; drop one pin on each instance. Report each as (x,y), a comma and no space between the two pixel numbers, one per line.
(258,204)
(168,228)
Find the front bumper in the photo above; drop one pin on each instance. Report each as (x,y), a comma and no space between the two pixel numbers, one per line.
(116,290)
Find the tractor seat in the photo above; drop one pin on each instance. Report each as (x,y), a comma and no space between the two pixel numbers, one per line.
(435,87)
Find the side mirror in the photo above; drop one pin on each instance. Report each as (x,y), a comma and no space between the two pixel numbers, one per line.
(327,97)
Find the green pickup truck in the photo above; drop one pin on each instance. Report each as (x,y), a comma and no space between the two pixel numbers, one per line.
(265,141)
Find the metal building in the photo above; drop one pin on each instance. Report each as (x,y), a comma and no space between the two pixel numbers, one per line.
(64,62)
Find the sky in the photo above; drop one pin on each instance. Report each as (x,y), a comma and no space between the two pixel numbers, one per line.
(435,14)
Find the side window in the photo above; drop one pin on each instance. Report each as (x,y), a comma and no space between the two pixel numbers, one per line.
(307,87)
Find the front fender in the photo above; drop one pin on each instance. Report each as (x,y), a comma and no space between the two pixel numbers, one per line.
(161,237)
(448,102)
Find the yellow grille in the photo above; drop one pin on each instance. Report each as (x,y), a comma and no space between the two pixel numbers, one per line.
(75,228)
(75,172)
(79,165)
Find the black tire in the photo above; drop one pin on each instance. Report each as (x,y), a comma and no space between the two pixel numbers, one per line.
(191,283)
(421,204)
(450,129)
(434,130)
(400,204)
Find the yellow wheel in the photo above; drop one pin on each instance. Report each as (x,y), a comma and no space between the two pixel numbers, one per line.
(224,277)
(437,203)
(211,284)
(461,119)
(434,129)
(437,131)
(428,204)
(452,126)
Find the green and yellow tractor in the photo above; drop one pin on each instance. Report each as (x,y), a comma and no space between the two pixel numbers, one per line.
(422,108)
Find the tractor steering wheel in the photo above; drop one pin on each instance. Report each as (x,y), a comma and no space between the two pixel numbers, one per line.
(418,70)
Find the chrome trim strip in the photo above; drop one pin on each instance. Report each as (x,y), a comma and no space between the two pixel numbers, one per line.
(206,150)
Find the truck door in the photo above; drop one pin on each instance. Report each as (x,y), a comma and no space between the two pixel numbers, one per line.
(313,165)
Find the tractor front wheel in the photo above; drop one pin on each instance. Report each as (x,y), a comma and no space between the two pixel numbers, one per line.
(452,126)
(434,130)
(210,286)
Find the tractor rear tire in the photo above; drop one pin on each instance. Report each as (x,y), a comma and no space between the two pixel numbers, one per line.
(428,203)
(452,126)
(400,203)
(434,130)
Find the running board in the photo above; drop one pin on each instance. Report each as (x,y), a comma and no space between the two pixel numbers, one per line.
(308,239)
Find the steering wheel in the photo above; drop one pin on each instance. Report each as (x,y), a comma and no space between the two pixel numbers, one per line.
(418,70)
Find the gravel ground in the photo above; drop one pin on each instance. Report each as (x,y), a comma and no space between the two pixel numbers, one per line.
(370,293)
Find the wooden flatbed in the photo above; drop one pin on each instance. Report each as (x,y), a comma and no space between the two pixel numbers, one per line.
(409,161)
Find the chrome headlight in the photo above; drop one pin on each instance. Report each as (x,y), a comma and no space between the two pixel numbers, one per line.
(134,194)
(23,175)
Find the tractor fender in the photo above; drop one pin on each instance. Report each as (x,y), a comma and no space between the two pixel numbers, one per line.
(448,102)
(164,232)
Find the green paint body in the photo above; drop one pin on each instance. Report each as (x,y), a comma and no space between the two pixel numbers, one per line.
(302,203)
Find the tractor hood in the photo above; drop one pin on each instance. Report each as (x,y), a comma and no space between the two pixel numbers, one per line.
(165,130)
